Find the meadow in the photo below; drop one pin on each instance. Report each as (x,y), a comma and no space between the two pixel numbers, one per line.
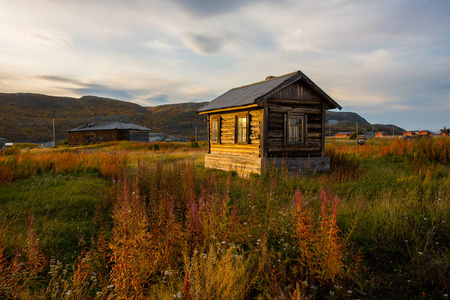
(134,221)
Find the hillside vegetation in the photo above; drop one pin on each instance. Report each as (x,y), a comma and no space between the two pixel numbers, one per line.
(120,221)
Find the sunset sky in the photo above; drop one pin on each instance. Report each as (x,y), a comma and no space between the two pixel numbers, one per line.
(389,61)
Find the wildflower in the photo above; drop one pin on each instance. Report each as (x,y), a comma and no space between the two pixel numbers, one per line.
(331,293)
(195,251)
(406,241)
(223,242)
(424,219)
(349,292)
(420,253)
(69,292)
(445,295)
(179,295)
(111,286)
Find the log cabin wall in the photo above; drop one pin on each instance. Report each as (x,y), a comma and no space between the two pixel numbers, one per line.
(228,154)
(227,143)
(298,100)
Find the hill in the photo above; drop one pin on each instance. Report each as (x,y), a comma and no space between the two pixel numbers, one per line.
(177,119)
(28,117)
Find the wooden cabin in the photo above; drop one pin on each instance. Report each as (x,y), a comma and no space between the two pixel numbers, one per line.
(107,131)
(280,119)
(342,135)
(380,134)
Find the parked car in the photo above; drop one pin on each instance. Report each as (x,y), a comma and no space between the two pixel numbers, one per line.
(361,139)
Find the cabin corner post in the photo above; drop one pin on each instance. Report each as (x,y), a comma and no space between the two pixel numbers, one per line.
(208,133)
(264,132)
(323,128)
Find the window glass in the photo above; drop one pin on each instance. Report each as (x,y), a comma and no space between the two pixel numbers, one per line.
(295,129)
(242,130)
(214,131)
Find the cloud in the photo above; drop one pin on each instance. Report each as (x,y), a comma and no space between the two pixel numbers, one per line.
(83,88)
(161,46)
(57,79)
(207,44)
(156,99)
(212,7)
(49,36)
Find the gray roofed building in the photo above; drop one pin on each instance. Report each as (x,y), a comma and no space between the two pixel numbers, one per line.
(259,91)
(107,131)
(109,126)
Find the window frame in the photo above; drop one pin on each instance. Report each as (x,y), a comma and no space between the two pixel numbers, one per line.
(287,128)
(218,130)
(246,138)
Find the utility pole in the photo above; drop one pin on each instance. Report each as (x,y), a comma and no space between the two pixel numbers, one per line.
(54,137)
(393,132)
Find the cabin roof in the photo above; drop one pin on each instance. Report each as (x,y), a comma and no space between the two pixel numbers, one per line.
(108,126)
(256,92)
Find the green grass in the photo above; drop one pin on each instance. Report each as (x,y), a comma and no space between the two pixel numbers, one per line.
(63,207)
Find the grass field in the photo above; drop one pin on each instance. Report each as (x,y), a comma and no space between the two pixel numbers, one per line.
(131,220)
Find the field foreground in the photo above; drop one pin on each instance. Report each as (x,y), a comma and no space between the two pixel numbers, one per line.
(129,220)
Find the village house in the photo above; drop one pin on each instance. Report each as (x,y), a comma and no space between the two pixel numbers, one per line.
(342,135)
(281,119)
(409,133)
(425,133)
(380,134)
(445,131)
(107,131)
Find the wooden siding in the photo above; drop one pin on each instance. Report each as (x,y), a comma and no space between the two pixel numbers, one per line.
(296,91)
(311,109)
(243,165)
(227,127)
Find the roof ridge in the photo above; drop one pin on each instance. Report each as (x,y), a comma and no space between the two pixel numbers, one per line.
(275,77)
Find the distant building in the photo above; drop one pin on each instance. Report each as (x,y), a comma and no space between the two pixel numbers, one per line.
(332,122)
(381,134)
(343,134)
(410,133)
(155,137)
(2,142)
(445,131)
(107,131)
(425,133)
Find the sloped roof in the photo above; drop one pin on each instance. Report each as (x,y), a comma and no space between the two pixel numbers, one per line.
(108,126)
(259,91)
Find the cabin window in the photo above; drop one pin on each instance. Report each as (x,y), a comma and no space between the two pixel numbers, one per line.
(295,129)
(215,131)
(242,129)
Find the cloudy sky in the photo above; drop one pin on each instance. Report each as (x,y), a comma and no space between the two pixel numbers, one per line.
(387,60)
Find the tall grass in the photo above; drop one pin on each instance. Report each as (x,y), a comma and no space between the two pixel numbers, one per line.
(375,226)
